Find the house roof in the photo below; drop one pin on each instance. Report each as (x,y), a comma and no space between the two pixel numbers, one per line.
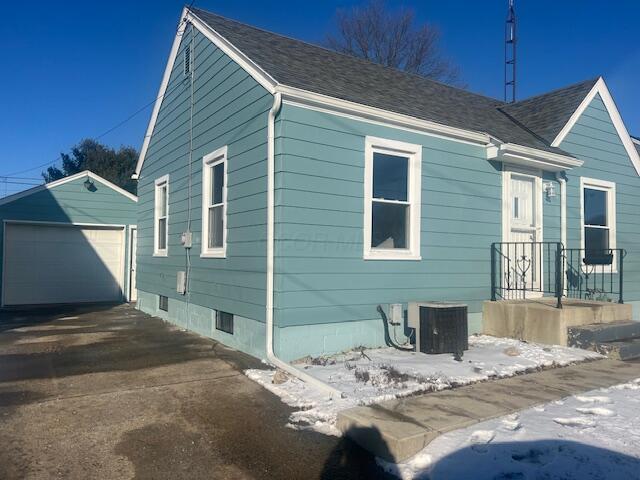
(545,115)
(309,67)
(62,181)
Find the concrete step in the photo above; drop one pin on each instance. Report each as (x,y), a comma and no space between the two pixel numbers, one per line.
(626,349)
(587,336)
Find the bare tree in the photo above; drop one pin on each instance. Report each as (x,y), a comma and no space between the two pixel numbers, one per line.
(390,38)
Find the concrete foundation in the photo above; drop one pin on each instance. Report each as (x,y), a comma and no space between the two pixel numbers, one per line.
(540,321)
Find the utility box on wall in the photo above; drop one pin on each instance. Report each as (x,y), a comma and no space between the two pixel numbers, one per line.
(441,327)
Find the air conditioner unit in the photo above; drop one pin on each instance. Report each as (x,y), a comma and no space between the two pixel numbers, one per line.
(441,327)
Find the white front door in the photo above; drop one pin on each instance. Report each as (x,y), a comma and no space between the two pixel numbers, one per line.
(522,268)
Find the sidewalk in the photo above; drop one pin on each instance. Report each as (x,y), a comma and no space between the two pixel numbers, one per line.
(398,429)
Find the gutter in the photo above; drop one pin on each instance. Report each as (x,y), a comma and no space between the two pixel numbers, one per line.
(271,356)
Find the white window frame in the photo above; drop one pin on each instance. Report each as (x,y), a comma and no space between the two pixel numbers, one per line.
(610,189)
(159,183)
(208,161)
(414,190)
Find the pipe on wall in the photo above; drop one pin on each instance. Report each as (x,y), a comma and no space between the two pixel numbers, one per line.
(271,356)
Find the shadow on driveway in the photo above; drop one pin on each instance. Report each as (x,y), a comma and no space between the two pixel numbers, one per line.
(109,392)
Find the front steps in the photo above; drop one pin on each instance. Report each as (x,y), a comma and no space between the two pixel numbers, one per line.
(618,340)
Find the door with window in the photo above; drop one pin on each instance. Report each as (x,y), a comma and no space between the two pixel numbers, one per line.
(522,265)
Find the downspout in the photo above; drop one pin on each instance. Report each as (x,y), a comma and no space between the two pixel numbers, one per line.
(277,103)
(563,215)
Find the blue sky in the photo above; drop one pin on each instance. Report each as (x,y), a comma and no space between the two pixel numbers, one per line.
(75,69)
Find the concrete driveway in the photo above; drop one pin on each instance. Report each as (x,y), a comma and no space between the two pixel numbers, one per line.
(109,392)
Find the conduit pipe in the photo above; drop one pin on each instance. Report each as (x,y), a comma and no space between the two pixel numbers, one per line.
(277,103)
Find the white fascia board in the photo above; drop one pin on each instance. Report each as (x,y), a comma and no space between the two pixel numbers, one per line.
(601,88)
(305,98)
(531,157)
(539,158)
(262,77)
(62,181)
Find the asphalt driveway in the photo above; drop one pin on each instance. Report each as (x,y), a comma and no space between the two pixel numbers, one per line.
(108,392)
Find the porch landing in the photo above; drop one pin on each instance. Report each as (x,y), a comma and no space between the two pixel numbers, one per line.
(398,429)
(538,320)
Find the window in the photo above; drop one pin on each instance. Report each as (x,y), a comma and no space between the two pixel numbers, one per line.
(392,200)
(214,204)
(598,216)
(161,225)
(224,321)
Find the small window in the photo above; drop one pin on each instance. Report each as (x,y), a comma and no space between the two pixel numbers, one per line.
(599,217)
(163,303)
(161,225)
(214,204)
(224,321)
(392,199)
(187,61)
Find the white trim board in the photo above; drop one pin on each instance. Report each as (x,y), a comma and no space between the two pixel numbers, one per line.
(610,189)
(62,181)
(310,99)
(413,153)
(601,88)
(208,162)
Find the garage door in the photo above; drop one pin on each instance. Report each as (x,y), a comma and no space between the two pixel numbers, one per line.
(62,264)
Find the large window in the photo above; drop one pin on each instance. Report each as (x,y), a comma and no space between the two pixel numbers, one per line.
(598,216)
(392,200)
(161,216)
(214,204)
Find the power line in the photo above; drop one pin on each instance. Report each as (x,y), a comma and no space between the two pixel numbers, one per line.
(106,132)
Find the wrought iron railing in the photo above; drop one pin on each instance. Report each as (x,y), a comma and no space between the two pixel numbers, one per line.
(595,275)
(521,270)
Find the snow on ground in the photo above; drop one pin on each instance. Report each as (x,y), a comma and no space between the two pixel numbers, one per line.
(372,376)
(590,436)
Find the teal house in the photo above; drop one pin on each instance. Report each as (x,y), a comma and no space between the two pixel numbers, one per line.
(287,192)
(68,241)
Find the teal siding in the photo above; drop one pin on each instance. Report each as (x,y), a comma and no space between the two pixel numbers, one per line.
(230,109)
(594,140)
(71,202)
(321,277)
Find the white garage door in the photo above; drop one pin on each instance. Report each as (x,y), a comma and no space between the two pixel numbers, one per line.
(62,264)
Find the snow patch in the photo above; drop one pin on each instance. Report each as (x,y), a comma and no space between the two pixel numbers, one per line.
(598,411)
(575,422)
(372,376)
(544,446)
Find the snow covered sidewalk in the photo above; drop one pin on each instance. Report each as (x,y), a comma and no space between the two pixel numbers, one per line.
(595,435)
(376,375)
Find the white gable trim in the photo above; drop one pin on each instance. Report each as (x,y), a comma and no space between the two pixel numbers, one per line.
(62,181)
(601,88)
(262,77)
(306,98)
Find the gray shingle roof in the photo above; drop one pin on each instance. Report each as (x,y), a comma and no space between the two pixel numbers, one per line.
(299,64)
(546,114)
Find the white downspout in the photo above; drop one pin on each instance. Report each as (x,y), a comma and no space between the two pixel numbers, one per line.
(277,103)
(563,214)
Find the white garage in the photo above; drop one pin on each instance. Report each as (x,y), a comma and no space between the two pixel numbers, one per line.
(68,242)
(62,264)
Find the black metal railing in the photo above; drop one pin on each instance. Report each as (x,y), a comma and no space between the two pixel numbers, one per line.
(521,269)
(592,275)
(518,268)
